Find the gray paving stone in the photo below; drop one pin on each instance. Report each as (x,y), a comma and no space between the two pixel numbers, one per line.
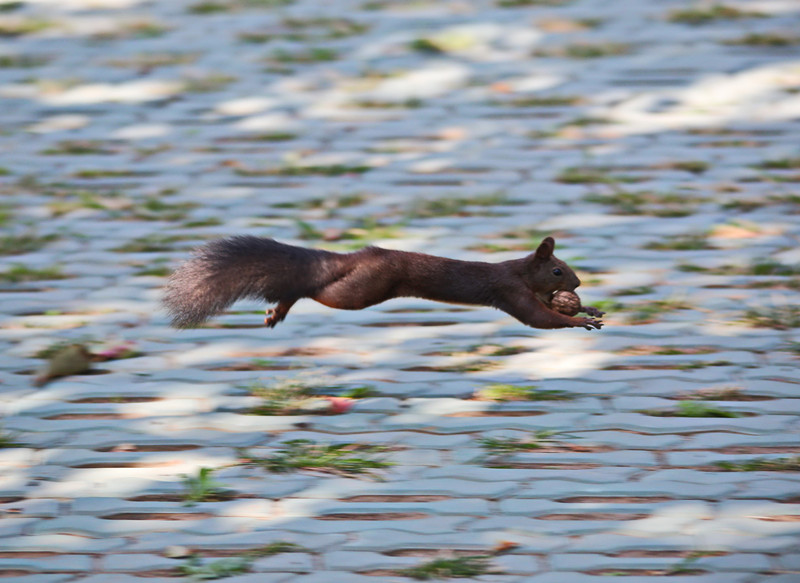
(790,562)
(292,562)
(478,473)
(15,526)
(136,563)
(433,525)
(41,578)
(553,577)
(651,424)
(68,563)
(97,527)
(433,485)
(723,440)
(429,422)
(333,577)
(559,489)
(109,506)
(584,562)
(365,561)
(317,507)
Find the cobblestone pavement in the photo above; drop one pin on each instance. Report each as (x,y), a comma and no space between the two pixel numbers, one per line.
(656,140)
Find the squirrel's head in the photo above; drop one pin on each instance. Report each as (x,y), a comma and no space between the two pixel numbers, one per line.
(546,274)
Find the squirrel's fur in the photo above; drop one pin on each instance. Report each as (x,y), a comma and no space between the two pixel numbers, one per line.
(227,270)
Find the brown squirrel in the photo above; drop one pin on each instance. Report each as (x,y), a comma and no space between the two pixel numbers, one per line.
(226,270)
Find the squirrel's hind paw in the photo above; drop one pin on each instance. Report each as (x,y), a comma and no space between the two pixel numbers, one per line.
(272,318)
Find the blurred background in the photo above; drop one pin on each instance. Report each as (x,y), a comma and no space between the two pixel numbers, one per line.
(656,140)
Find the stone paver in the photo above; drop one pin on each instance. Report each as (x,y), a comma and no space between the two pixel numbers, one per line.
(657,141)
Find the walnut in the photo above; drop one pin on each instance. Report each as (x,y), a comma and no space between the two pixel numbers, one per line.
(566,302)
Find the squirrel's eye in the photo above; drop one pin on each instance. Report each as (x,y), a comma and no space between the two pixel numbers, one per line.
(557,271)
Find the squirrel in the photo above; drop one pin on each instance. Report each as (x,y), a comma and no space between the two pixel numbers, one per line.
(227,270)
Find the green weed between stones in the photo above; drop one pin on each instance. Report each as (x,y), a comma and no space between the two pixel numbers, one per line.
(23,26)
(11,6)
(706,14)
(503,392)
(365,230)
(25,243)
(155,209)
(285,397)
(779,164)
(107,173)
(520,3)
(692,409)
(648,312)
(265,137)
(207,83)
(345,459)
(641,290)
(211,7)
(18,273)
(209,222)
(586,50)
(143,28)
(758,268)
(454,206)
(595,175)
(644,202)
(202,488)
(79,148)
(158,271)
(195,568)
(765,39)
(280,398)
(308,29)
(778,317)
(312,170)
(154,60)
(720,394)
(411,103)
(22,61)
(8,440)
(363,392)
(693,166)
(152,243)
(332,203)
(787,464)
(445,568)
(687,242)
(308,56)
(502,446)
(542,101)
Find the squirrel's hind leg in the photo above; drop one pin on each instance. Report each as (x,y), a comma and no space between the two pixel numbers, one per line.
(278,313)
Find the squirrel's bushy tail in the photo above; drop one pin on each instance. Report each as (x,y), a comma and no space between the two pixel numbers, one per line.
(227,270)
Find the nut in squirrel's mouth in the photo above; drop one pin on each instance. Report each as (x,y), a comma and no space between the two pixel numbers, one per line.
(547,299)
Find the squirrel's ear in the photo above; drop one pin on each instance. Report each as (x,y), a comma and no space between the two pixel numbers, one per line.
(545,250)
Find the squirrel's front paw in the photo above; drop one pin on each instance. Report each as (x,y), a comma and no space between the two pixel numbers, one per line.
(594,312)
(591,323)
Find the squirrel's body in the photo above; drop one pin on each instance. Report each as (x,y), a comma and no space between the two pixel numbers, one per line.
(258,268)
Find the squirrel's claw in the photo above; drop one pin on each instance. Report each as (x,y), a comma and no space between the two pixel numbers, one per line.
(594,312)
(591,323)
